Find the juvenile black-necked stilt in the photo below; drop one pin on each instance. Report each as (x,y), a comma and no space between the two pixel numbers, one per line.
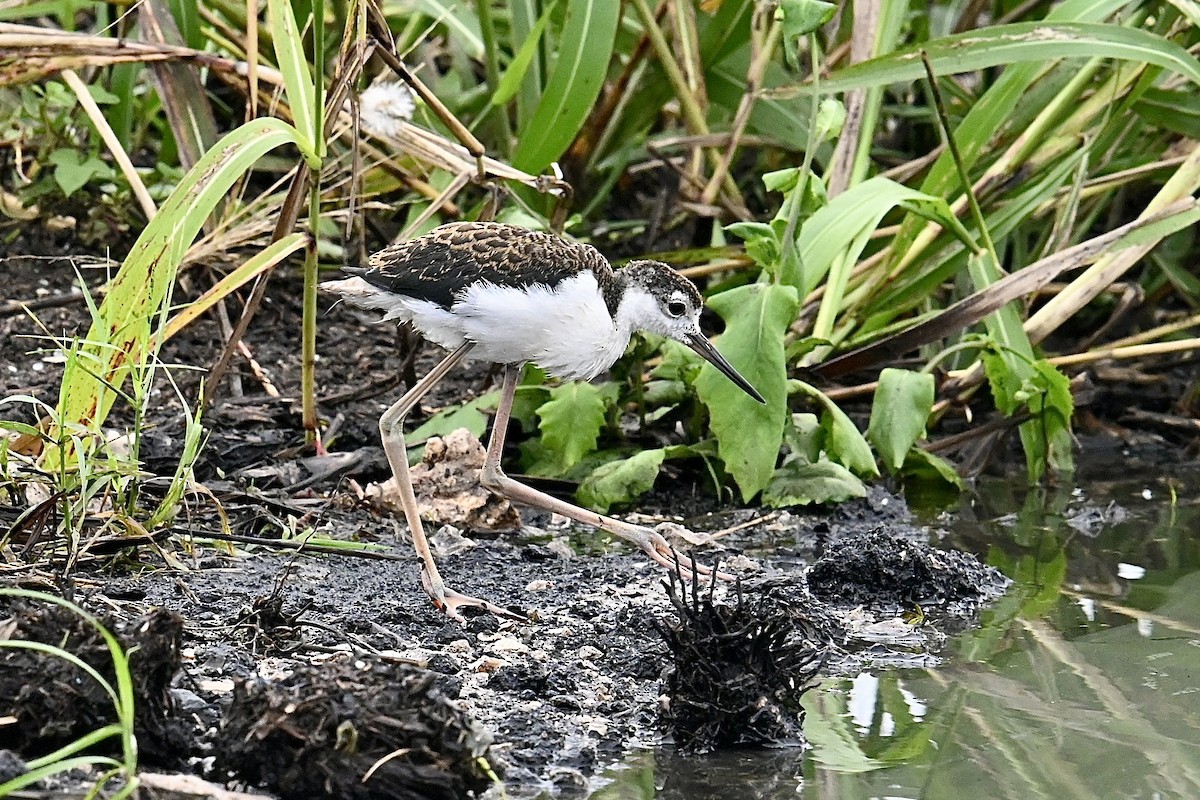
(510,296)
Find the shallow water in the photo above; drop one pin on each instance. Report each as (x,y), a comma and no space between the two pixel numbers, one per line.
(1082,682)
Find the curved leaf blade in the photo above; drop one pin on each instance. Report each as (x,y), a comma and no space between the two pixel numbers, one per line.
(1012,44)
(584,51)
(120,334)
(297,80)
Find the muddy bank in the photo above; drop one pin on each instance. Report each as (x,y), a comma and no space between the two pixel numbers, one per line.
(297,651)
(560,697)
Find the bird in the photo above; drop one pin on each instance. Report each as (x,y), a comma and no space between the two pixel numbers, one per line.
(510,295)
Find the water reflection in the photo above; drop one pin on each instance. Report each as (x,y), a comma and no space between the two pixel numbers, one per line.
(1082,682)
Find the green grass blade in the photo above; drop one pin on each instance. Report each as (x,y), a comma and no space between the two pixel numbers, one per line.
(297,80)
(992,113)
(35,775)
(82,743)
(1011,44)
(257,264)
(70,658)
(518,68)
(460,21)
(576,78)
(839,230)
(524,16)
(120,332)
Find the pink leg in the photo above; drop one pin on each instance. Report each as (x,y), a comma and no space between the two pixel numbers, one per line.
(391,429)
(493,477)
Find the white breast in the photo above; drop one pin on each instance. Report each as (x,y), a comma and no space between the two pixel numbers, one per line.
(567,332)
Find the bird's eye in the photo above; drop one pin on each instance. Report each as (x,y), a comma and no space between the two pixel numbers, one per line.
(676,308)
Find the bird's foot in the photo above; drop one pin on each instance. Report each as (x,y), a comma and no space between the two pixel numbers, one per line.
(448,601)
(655,545)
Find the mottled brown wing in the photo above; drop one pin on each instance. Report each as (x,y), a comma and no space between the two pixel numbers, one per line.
(441,264)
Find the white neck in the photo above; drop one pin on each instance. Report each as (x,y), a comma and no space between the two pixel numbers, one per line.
(638,311)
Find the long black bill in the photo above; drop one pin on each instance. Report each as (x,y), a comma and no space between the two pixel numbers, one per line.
(700,343)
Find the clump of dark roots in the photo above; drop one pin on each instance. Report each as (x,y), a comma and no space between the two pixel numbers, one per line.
(877,568)
(737,672)
(374,730)
(52,702)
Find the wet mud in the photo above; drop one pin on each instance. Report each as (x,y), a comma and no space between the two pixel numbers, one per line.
(300,667)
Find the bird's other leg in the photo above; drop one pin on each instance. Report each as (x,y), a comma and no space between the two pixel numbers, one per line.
(391,429)
(493,477)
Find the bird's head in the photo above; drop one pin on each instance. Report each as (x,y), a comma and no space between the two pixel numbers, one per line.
(658,299)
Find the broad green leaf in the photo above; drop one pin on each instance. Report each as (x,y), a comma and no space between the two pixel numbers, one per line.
(801,17)
(831,116)
(748,433)
(800,483)
(761,243)
(101,95)
(798,18)
(843,442)
(514,76)
(1011,44)
(120,331)
(903,401)
(571,423)
(584,50)
(803,436)
(297,80)
(619,482)
(1005,379)
(72,169)
(1048,434)
(1037,386)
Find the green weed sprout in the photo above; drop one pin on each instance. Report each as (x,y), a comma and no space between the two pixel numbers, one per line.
(65,758)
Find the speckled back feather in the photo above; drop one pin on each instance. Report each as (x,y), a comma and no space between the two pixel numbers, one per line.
(440,265)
